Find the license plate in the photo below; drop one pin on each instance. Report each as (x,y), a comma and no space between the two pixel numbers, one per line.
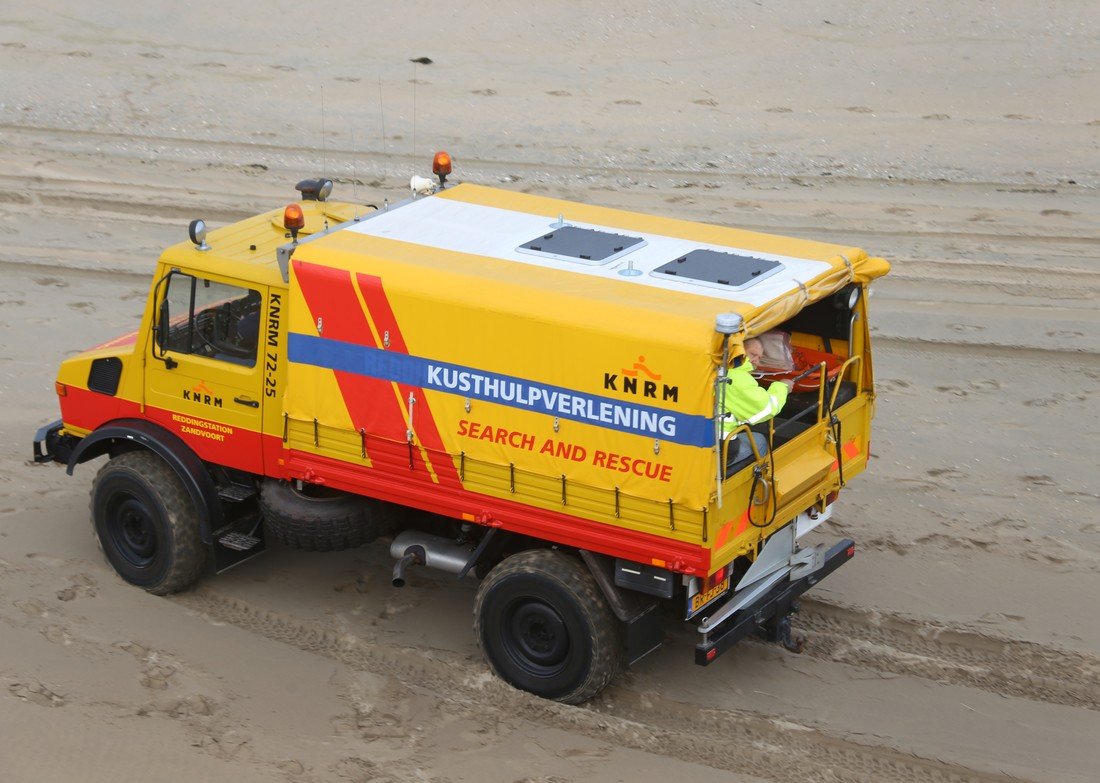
(699,600)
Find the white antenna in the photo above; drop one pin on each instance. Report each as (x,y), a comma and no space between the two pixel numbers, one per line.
(382,116)
(354,155)
(324,162)
(414,111)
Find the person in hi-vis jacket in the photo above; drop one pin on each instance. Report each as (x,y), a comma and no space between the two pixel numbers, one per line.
(747,402)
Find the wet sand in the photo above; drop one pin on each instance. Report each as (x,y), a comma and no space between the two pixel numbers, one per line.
(962,144)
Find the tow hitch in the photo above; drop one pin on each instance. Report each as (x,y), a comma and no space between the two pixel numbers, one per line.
(765,606)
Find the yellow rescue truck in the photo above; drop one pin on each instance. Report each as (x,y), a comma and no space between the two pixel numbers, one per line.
(546,380)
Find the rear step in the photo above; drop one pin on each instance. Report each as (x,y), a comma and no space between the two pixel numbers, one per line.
(236,493)
(241,542)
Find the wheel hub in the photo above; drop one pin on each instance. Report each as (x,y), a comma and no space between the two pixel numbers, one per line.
(540,638)
(131,527)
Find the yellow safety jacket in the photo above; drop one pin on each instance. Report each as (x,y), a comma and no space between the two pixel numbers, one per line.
(746,401)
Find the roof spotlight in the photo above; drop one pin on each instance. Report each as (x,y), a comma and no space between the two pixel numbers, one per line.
(197,232)
(314,189)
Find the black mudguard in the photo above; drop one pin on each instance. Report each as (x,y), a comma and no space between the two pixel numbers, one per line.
(128,434)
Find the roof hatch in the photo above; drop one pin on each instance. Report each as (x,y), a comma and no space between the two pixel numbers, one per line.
(715,268)
(581,245)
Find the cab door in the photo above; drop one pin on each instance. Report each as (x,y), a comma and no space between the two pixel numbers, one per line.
(204,374)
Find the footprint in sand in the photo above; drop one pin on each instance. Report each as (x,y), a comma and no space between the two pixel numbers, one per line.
(1064,333)
(1046,402)
(155,676)
(892,384)
(559,93)
(352,79)
(993,617)
(860,109)
(54,281)
(918,485)
(1011,523)
(192,706)
(48,560)
(57,634)
(1061,212)
(224,745)
(779,110)
(953,543)
(903,211)
(985,385)
(31,608)
(83,586)
(958,392)
(628,102)
(705,102)
(139,651)
(486,92)
(936,117)
(37,693)
(946,475)
(291,767)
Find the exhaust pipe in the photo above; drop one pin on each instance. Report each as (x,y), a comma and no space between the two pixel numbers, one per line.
(412,547)
(414,556)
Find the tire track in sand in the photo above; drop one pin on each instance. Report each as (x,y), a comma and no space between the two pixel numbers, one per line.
(897,645)
(734,741)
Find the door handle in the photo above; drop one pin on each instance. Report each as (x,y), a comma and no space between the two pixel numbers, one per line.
(247,401)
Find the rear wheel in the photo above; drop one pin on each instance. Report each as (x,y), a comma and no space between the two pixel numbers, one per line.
(146,523)
(544,626)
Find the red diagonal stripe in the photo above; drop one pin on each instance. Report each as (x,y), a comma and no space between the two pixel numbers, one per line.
(426,430)
(329,295)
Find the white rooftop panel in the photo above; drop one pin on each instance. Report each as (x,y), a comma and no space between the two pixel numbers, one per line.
(497,233)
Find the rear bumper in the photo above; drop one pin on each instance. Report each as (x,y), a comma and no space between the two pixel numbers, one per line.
(50,445)
(772,606)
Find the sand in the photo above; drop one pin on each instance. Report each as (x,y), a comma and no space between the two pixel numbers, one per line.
(961,143)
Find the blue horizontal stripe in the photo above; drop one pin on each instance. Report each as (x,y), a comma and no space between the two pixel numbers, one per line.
(607,412)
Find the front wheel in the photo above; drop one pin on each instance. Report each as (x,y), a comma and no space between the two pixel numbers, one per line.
(146,523)
(544,626)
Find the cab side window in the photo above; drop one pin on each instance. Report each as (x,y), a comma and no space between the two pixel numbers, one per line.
(207,318)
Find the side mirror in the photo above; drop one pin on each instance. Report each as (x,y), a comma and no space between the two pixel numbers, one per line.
(162,327)
(160,324)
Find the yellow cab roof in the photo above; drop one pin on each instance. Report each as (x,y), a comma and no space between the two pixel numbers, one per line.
(246,250)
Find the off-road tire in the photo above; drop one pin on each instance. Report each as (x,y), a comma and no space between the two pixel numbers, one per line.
(544,626)
(326,523)
(146,523)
